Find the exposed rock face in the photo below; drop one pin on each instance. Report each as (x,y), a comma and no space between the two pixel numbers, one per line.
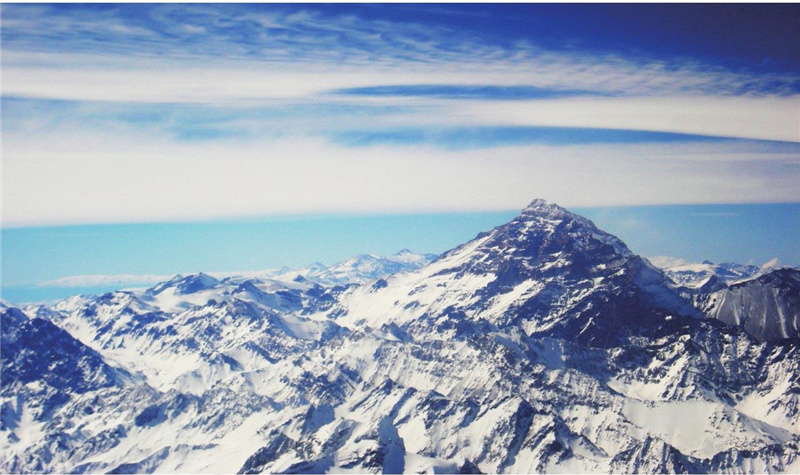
(767,307)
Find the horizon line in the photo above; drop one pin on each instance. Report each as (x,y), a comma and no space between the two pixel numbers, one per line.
(350,214)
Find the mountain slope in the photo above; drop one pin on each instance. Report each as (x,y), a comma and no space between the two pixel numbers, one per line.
(37,350)
(50,381)
(190,339)
(767,307)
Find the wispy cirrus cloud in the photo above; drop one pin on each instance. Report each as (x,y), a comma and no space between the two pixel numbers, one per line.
(280,52)
(238,56)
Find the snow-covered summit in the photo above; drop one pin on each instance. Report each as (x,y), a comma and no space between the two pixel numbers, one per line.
(694,275)
(186,285)
(407,256)
(548,272)
(545,209)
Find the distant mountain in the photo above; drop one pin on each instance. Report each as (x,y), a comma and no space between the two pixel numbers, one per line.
(708,274)
(543,345)
(359,269)
(186,285)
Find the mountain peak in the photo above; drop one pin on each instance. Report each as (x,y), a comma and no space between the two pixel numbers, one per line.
(188,284)
(545,234)
(540,202)
(767,307)
(543,218)
(547,272)
(543,241)
(773,263)
(540,207)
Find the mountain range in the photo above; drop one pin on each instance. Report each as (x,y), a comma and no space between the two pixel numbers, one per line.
(708,274)
(543,345)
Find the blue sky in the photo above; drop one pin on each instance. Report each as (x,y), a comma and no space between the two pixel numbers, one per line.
(124,114)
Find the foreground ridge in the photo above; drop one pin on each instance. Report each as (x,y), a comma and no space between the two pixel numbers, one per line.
(542,345)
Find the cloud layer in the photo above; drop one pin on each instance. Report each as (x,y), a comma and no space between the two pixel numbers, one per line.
(101,280)
(170,112)
(116,179)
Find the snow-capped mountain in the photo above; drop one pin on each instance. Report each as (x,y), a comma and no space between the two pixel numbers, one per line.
(355,270)
(706,274)
(358,269)
(548,272)
(542,345)
(186,285)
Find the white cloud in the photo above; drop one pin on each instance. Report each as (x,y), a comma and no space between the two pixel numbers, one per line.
(290,39)
(649,101)
(769,118)
(207,53)
(667,262)
(97,178)
(765,118)
(100,280)
(180,79)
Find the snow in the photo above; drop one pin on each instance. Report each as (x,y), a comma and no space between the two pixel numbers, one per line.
(694,275)
(759,406)
(414,463)
(688,426)
(228,453)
